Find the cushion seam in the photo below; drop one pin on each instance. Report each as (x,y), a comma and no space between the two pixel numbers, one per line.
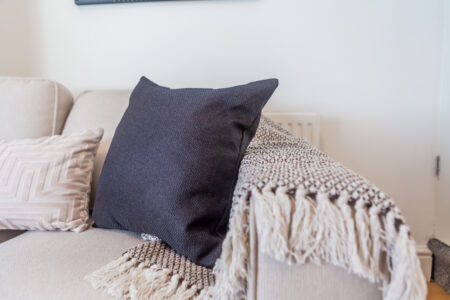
(55,108)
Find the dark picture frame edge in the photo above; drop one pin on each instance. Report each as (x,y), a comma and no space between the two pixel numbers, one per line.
(90,2)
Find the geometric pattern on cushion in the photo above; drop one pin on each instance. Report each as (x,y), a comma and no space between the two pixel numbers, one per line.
(45,182)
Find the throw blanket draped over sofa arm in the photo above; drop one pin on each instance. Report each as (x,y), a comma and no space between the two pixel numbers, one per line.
(308,208)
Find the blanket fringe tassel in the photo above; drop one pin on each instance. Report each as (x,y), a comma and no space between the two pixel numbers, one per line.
(231,269)
(296,229)
(127,278)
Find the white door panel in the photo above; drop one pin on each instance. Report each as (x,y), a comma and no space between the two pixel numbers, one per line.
(443,199)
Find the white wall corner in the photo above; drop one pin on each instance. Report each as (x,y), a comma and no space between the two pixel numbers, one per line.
(425,257)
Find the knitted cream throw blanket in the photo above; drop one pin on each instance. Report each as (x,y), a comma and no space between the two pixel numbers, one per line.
(308,208)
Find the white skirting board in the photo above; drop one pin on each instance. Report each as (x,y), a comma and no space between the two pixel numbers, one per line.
(426,259)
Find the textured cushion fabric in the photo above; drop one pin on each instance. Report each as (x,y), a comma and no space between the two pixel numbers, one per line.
(51,265)
(174,161)
(45,182)
(32,108)
(98,109)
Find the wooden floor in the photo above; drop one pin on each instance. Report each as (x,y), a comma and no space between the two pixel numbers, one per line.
(435,292)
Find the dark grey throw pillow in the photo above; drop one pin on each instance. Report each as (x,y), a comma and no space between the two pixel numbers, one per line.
(174,161)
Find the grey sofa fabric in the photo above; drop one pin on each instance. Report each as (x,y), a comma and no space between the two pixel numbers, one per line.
(32,108)
(276,280)
(51,265)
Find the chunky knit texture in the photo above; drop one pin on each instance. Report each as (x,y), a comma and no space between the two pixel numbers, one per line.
(308,208)
(161,255)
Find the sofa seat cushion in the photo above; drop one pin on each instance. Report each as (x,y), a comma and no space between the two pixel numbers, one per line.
(52,265)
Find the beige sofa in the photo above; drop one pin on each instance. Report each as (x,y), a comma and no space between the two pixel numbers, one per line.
(51,265)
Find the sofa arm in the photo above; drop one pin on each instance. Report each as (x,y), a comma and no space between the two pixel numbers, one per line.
(270,279)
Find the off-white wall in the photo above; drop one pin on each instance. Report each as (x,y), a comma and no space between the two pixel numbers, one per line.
(370,68)
(15,51)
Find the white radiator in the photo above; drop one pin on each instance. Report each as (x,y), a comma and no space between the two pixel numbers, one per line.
(304,125)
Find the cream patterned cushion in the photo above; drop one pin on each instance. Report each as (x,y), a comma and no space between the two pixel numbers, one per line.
(45,182)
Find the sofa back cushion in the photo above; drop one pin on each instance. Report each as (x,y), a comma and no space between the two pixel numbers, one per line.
(32,108)
(98,109)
